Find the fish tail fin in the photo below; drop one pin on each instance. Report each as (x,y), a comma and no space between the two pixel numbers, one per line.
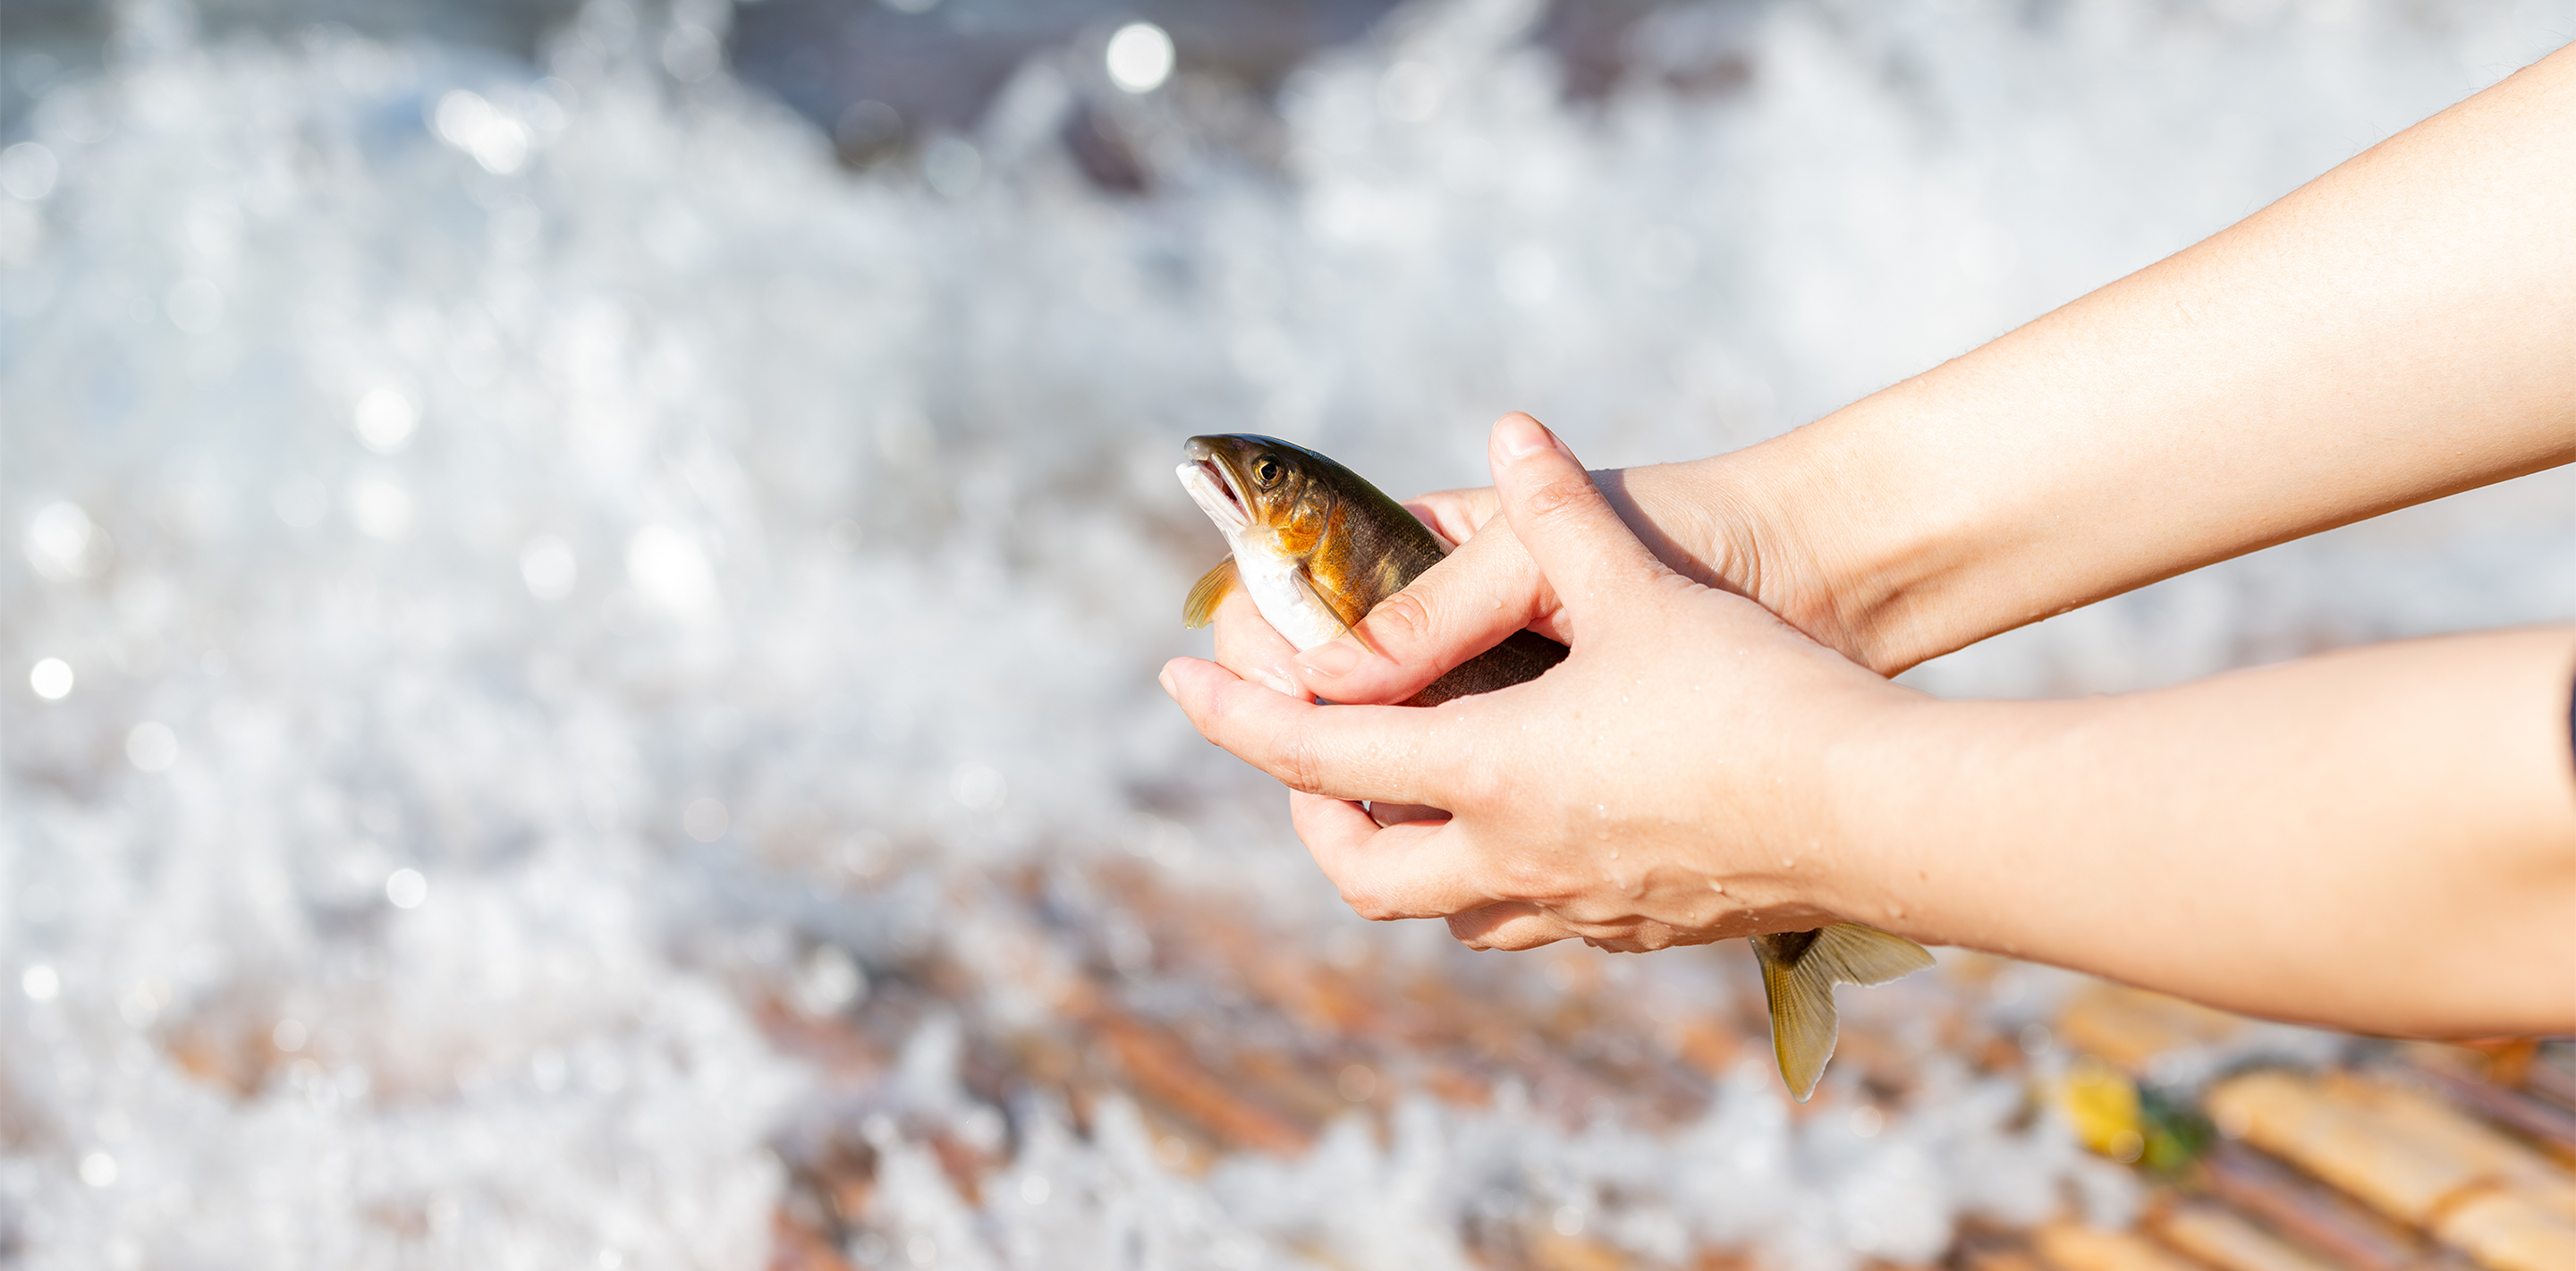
(1799,971)
(1207,593)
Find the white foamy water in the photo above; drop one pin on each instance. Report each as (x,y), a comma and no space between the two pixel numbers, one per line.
(517,571)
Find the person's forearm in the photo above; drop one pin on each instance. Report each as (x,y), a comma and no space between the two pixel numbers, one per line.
(2244,840)
(2400,329)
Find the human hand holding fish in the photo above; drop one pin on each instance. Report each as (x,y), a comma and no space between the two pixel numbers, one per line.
(1628,868)
(1697,769)
(1316,547)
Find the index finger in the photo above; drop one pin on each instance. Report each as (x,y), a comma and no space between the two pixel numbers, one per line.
(1249,646)
(1466,604)
(1455,515)
(1378,753)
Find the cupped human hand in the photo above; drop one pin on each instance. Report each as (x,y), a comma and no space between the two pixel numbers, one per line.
(1670,782)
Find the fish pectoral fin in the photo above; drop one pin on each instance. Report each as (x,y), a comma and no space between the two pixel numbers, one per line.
(1315,594)
(1207,593)
(1799,971)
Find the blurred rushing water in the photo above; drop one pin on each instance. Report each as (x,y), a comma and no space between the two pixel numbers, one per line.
(539,583)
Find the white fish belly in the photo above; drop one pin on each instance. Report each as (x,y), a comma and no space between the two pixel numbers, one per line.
(1283,599)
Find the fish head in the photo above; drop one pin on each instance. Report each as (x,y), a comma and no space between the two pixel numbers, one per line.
(1315,544)
(1269,497)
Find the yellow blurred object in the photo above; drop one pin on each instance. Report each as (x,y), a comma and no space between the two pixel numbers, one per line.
(2103,1107)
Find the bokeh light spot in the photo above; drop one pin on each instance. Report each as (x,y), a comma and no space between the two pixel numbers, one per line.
(548,567)
(1139,57)
(669,567)
(63,543)
(978,787)
(952,166)
(705,820)
(829,982)
(300,503)
(151,746)
(380,508)
(28,170)
(406,888)
(195,305)
(691,53)
(1410,92)
(385,419)
(471,124)
(51,678)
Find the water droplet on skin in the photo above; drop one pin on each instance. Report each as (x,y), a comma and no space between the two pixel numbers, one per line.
(1716,886)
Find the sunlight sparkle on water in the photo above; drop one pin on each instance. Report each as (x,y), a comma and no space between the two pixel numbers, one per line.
(63,543)
(406,888)
(380,507)
(1139,57)
(668,566)
(151,746)
(547,566)
(385,419)
(468,122)
(195,305)
(27,171)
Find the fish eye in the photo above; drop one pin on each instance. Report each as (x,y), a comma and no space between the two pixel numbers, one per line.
(1266,471)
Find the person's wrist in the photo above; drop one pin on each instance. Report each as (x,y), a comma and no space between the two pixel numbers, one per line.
(1856,547)
(1771,527)
(1890,761)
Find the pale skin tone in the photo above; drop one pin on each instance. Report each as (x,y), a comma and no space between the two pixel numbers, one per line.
(2381,839)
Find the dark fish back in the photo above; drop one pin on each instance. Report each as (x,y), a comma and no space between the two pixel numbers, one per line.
(1518,660)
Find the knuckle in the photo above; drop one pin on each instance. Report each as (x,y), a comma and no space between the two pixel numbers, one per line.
(1369,903)
(1403,617)
(1561,496)
(1297,764)
(1528,878)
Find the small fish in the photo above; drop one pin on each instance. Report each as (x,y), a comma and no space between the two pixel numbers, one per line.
(1317,547)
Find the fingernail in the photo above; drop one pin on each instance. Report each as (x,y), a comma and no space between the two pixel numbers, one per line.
(1520,435)
(1271,678)
(1332,659)
(1166,678)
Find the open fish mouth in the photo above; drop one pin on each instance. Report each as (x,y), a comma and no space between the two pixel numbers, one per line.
(1214,490)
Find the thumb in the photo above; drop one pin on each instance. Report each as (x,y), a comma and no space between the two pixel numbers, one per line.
(1587,553)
